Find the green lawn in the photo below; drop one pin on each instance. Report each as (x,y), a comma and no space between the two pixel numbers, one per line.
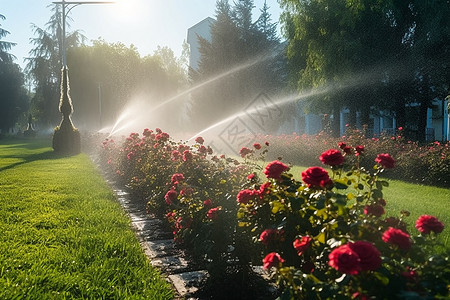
(62,233)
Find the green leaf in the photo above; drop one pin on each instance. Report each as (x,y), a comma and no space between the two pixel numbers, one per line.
(377,194)
(321,238)
(382,278)
(384,183)
(277,206)
(341,184)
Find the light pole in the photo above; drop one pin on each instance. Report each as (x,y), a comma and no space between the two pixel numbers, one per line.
(66,138)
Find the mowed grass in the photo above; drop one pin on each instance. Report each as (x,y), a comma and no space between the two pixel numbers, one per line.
(63,235)
(415,198)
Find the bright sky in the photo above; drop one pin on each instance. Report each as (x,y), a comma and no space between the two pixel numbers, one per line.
(146,24)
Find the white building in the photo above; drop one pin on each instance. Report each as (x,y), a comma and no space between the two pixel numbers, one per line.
(201,29)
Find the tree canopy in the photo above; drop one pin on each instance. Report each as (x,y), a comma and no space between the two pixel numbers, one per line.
(242,59)
(369,54)
(13,96)
(108,77)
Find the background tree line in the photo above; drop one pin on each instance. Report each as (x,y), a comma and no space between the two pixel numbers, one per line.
(104,77)
(372,55)
(364,55)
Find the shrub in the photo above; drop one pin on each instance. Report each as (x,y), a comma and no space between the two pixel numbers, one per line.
(328,238)
(193,189)
(66,140)
(427,164)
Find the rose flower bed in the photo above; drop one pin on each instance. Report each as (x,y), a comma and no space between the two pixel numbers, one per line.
(195,192)
(417,163)
(325,236)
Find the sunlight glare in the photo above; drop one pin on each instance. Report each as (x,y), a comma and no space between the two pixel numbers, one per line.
(127,10)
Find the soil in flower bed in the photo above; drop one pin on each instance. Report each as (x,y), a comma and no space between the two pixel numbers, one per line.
(234,285)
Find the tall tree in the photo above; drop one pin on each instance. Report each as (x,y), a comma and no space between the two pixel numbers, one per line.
(44,66)
(5,46)
(13,97)
(238,63)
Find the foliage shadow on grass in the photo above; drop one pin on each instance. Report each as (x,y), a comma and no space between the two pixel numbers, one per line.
(47,155)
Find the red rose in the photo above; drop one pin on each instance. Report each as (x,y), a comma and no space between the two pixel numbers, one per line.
(369,256)
(316,176)
(213,213)
(359,150)
(176,154)
(187,155)
(347,150)
(187,192)
(245,151)
(245,196)
(177,177)
(272,260)
(274,169)
(345,260)
(202,149)
(332,157)
(130,155)
(385,160)
(359,296)
(375,210)
(251,176)
(267,235)
(397,237)
(207,202)
(199,140)
(170,196)
(425,224)
(147,132)
(257,146)
(410,274)
(263,189)
(303,244)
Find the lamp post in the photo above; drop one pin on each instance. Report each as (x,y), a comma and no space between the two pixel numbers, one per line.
(66,138)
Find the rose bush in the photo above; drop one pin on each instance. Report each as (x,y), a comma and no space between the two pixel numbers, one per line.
(327,236)
(193,190)
(415,162)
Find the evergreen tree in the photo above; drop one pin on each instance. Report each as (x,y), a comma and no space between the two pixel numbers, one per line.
(238,63)
(13,97)
(5,46)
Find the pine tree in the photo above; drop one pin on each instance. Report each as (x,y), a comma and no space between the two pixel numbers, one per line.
(241,55)
(4,45)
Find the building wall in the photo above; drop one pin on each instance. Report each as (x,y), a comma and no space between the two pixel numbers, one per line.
(201,29)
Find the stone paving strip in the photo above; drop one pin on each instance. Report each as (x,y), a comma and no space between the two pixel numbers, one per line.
(160,248)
